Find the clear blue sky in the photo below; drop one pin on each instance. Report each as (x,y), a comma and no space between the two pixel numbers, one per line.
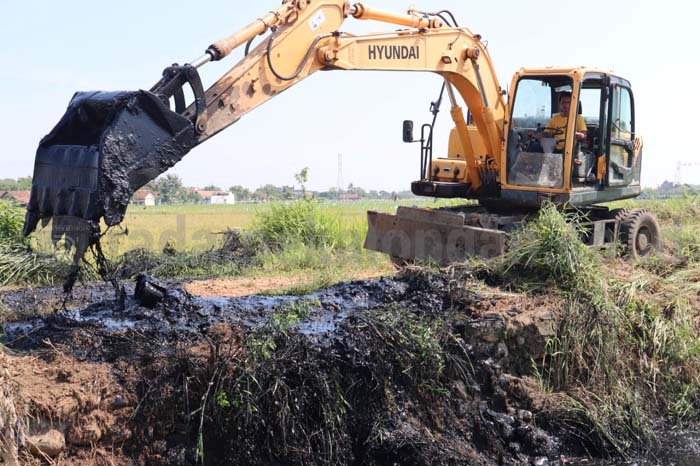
(52,49)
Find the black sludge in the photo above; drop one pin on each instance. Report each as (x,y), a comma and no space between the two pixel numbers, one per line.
(106,146)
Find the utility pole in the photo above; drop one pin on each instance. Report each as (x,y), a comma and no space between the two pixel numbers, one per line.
(340,183)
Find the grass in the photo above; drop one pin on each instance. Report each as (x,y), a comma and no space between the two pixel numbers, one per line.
(626,354)
(627,351)
(20,263)
(304,238)
(326,250)
(196,227)
(548,251)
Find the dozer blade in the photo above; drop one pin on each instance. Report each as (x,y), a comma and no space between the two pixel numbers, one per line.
(106,146)
(430,235)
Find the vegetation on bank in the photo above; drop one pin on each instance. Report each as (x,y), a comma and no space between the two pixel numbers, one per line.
(20,263)
(627,351)
(302,237)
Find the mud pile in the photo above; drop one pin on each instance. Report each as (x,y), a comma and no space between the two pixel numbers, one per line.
(411,370)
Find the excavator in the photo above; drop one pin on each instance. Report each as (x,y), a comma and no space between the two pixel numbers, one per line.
(502,153)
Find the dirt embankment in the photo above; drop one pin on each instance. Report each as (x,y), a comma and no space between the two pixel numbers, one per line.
(417,369)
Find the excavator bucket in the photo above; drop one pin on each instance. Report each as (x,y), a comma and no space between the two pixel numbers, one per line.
(106,146)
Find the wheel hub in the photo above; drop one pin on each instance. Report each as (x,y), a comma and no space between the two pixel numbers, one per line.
(643,241)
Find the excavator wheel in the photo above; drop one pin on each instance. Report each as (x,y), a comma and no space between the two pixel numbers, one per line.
(618,214)
(640,234)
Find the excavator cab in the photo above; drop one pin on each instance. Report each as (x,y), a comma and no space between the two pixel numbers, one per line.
(543,158)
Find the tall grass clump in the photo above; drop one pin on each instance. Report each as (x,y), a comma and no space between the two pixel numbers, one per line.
(300,222)
(19,263)
(549,250)
(11,222)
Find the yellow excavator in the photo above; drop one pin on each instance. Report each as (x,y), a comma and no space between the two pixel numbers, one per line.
(503,152)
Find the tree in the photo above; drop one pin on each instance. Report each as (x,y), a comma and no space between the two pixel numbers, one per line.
(352,189)
(20,184)
(185,196)
(169,188)
(302,177)
(211,187)
(241,193)
(267,193)
(287,193)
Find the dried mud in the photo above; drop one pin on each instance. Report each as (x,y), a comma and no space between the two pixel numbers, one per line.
(415,369)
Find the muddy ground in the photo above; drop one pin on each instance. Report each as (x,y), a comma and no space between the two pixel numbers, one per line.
(420,369)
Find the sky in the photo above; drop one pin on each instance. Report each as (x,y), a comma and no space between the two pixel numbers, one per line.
(52,49)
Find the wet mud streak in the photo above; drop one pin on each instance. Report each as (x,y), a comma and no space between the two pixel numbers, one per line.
(416,369)
(386,368)
(108,275)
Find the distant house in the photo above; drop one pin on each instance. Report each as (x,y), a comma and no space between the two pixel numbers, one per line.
(349,197)
(18,197)
(216,197)
(143,197)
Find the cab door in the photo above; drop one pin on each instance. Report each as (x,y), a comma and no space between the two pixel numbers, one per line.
(622,151)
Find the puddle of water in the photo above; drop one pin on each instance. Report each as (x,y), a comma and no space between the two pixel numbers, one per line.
(676,449)
(326,324)
(192,315)
(106,319)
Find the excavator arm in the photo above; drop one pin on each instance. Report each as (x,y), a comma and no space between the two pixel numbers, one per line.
(108,145)
(313,42)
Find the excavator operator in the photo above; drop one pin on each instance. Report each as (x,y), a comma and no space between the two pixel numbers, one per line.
(557,124)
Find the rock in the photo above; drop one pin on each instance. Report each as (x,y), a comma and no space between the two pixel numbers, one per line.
(149,291)
(119,402)
(525,415)
(491,328)
(460,389)
(86,435)
(50,443)
(120,435)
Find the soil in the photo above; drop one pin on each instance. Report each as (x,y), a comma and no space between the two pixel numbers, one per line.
(413,369)
(237,287)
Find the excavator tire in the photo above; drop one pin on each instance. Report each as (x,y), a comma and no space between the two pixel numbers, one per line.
(640,234)
(618,214)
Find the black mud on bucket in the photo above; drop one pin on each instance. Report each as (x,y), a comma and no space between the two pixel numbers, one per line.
(106,146)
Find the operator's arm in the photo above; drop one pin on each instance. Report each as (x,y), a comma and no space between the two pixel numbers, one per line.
(581,128)
(551,124)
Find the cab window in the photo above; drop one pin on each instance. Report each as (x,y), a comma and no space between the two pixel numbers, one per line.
(533,106)
(531,160)
(622,115)
(589,101)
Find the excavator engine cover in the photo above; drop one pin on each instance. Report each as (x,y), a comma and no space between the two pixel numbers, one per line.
(106,146)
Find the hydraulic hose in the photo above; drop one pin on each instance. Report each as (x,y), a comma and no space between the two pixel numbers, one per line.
(304,61)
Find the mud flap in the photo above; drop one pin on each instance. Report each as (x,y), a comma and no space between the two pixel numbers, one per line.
(430,235)
(106,146)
